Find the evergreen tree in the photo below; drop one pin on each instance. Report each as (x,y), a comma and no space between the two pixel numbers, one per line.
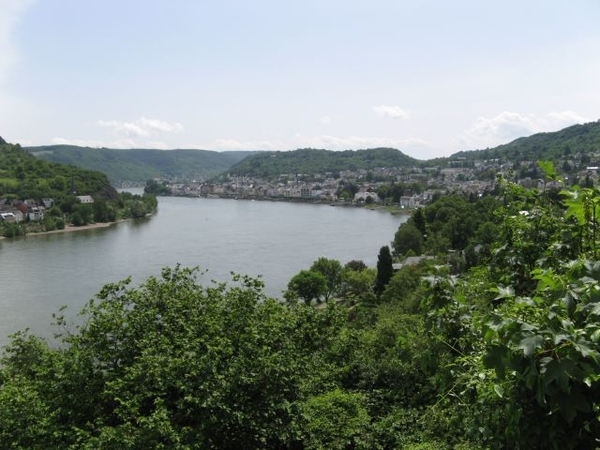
(384,269)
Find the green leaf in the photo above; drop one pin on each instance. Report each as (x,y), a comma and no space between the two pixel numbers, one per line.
(530,344)
(499,390)
(548,169)
(584,350)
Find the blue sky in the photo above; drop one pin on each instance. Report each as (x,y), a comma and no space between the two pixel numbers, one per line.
(427,77)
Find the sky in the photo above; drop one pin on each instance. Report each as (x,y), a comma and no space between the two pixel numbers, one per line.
(428,77)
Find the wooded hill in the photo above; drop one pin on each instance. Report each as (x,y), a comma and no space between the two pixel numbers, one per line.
(142,164)
(310,161)
(571,142)
(29,184)
(25,176)
(576,143)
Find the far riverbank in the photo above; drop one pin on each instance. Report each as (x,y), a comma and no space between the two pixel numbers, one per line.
(71,228)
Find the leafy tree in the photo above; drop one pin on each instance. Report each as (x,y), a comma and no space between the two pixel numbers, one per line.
(407,238)
(530,354)
(156,188)
(173,364)
(418,219)
(307,285)
(385,269)
(356,265)
(331,269)
(357,283)
(346,190)
(336,420)
(403,287)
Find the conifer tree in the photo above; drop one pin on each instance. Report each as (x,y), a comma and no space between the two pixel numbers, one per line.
(384,269)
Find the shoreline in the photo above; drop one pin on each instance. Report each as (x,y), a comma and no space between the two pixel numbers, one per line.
(392,209)
(71,228)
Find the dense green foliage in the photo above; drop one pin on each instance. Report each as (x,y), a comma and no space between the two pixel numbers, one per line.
(452,222)
(175,365)
(331,269)
(500,353)
(142,164)
(25,177)
(156,188)
(308,286)
(269,165)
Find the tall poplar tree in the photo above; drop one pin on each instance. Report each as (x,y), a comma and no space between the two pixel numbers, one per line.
(384,269)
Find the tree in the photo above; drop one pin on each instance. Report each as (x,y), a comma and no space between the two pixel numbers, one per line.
(402,287)
(418,219)
(331,269)
(307,285)
(356,265)
(336,420)
(357,283)
(173,364)
(408,237)
(385,271)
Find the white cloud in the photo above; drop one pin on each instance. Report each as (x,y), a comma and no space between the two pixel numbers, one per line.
(124,128)
(79,142)
(160,125)
(10,13)
(563,119)
(355,142)
(142,127)
(234,144)
(118,143)
(325,120)
(413,145)
(393,112)
(507,126)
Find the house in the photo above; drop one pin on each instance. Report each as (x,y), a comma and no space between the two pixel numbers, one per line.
(410,261)
(36,213)
(362,197)
(85,198)
(8,217)
(409,201)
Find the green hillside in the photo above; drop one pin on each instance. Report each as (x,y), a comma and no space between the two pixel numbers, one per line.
(311,161)
(577,143)
(44,195)
(571,142)
(24,176)
(142,164)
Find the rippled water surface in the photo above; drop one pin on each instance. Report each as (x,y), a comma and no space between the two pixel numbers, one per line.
(39,274)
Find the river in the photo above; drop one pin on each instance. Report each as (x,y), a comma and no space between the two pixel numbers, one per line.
(41,273)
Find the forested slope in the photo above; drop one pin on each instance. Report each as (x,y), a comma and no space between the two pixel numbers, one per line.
(268,165)
(142,164)
(574,142)
(27,182)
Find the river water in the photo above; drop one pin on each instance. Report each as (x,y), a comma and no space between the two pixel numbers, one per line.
(39,274)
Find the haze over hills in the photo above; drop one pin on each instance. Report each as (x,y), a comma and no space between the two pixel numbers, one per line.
(577,141)
(142,164)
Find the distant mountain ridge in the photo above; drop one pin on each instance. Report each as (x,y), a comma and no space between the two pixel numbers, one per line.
(310,161)
(142,164)
(576,139)
(580,142)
